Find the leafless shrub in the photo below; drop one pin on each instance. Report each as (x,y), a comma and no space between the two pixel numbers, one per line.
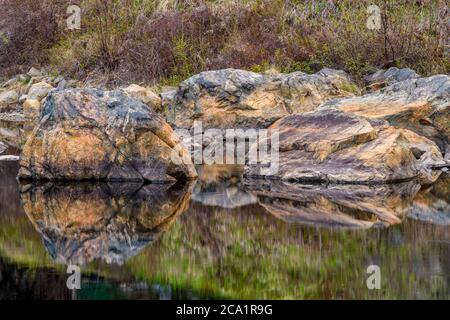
(27,29)
(168,40)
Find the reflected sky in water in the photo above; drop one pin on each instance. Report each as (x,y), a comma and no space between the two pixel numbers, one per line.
(223,237)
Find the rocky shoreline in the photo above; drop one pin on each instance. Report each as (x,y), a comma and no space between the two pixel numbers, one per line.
(330,130)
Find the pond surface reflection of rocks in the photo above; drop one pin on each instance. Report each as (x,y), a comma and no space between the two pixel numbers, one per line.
(336,206)
(223,237)
(113,222)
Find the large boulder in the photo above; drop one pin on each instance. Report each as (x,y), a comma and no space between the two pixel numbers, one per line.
(421,105)
(89,134)
(334,146)
(233,98)
(83,222)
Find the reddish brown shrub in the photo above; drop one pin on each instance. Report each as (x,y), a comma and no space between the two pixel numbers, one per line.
(172,44)
(138,40)
(28,28)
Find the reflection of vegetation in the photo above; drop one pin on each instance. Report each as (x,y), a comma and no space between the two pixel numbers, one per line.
(20,243)
(248,253)
(18,240)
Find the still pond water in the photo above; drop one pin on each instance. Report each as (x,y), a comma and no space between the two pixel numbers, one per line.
(223,237)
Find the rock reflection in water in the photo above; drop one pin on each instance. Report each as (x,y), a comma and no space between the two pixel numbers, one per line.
(432,203)
(221,186)
(83,222)
(335,206)
(245,252)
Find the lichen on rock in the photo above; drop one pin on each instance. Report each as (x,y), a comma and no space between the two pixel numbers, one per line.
(421,105)
(231,98)
(90,134)
(338,147)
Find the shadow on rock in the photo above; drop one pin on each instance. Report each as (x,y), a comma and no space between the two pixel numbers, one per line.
(335,206)
(83,222)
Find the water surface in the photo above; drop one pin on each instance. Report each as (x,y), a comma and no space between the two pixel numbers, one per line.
(223,237)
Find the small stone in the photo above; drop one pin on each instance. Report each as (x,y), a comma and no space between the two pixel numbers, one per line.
(24,173)
(39,90)
(9,158)
(271,71)
(8,97)
(144,94)
(394,75)
(24,77)
(31,105)
(11,82)
(168,95)
(30,82)
(34,72)
(49,80)
(3,147)
(58,79)
(390,76)
(72,84)
(23,98)
(61,84)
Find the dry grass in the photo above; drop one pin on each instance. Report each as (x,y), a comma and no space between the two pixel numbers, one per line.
(166,41)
